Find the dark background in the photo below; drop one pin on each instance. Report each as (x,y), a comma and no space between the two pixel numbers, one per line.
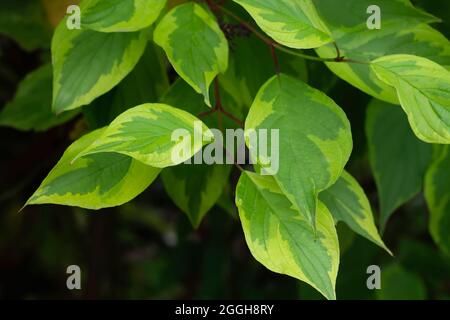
(147,248)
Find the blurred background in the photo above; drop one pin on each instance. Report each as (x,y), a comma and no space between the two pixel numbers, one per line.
(147,248)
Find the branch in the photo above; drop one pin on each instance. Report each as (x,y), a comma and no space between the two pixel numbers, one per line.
(280,47)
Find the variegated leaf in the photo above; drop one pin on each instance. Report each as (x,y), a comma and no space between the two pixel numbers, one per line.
(281,239)
(315,140)
(194,44)
(423,88)
(155,134)
(293,23)
(347,202)
(119,15)
(87,64)
(96,181)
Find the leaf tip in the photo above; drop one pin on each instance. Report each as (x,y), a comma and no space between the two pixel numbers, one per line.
(24,206)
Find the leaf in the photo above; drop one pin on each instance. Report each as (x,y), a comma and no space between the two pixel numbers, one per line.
(420,257)
(403,30)
(437,195)
(423,88)
(194,44)
(195,188)
(345,235)
(146,133)
(31,107)
(281,239)
(315,140)
(398,159)
(25,22)
(146,83)
(293,23)
(400,284)
(88,64)
(120,15)
(350,16)
(347,202)
(94,182)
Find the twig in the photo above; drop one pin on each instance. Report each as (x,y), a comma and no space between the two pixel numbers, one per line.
(232,117)
(338,52)
(275,59)
(280,47)
(207,113)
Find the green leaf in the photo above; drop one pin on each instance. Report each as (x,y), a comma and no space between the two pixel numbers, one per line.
(423,88)
(348,17)
(194,44)
(251,64)
(282,240)
(420,257)
(293,23)
(31,108)
(145,133)
(120,15)
(180,95)
(96,181)
(437,183)
(195,188)
(146,83)
(400,284)
(347,202)
(315,140)
(403,30)
(398,159)
(26,23)
(88,64)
